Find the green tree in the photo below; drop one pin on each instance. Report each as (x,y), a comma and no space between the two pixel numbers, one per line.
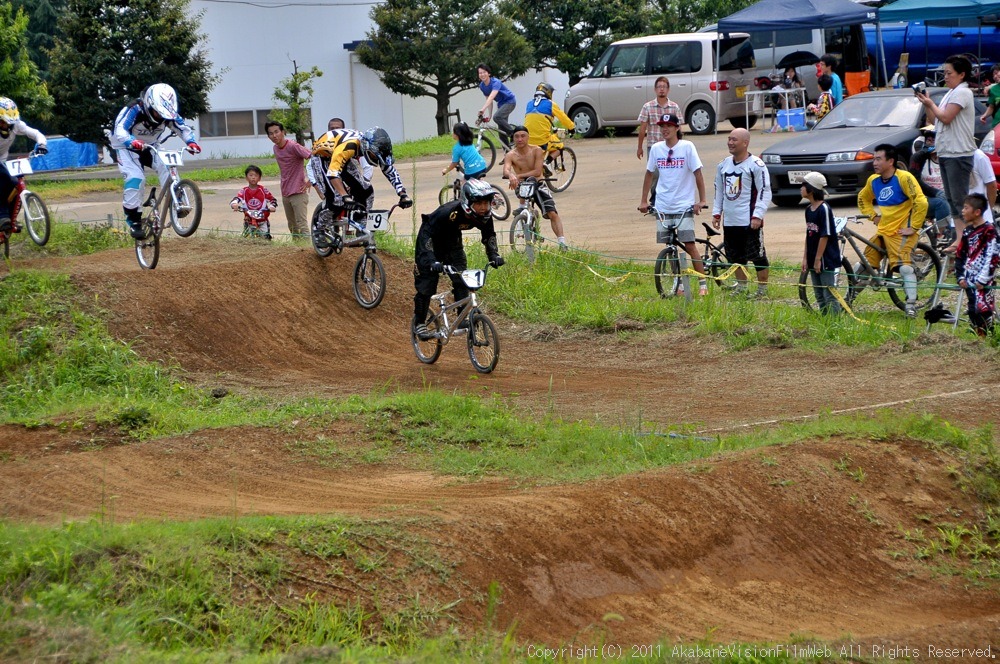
(571,35)
(108,52)
(666,16)
(296,93)
(430,48)
(43,19)
(19,77)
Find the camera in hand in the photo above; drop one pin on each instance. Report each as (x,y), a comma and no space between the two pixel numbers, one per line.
(919,87)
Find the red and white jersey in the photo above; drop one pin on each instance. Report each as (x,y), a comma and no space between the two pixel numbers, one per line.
(257,199)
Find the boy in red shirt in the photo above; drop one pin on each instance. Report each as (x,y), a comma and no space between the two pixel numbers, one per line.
(257,204)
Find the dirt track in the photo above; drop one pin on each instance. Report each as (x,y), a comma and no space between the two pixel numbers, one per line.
(736,548)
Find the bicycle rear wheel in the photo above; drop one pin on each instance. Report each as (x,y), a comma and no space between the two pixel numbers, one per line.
(927,267)
(562,170)
(488,150)
(147,250)
(667,272)
(36,219)
(429,350)
(844,282)
(501,204)
(483,342)
(369,280)
(185,212)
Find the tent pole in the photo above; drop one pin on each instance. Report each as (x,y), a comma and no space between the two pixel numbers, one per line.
(881,53)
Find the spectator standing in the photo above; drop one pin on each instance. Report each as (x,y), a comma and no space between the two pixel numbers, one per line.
(291,158)
(825,101)
(826,65)
(993,96)
(254,198)
(650,115)
(822,252)
(742,195)
(495,91)
(902,207)
(976,263)
(680,190)
(954,124)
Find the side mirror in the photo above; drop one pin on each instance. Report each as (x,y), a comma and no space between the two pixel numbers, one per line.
(606,72)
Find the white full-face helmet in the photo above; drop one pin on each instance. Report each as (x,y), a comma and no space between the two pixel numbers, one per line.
(160,102)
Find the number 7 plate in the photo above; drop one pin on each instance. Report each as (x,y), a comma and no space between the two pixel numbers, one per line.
(18,167)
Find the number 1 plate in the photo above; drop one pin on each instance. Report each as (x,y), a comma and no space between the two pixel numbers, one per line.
(18,167)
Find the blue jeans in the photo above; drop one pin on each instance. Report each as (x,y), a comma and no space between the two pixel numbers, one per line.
(824,284)
(955,173)
(938,209)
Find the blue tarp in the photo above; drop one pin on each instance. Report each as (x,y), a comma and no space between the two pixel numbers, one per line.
(787,14)
(64,153)
(929,10)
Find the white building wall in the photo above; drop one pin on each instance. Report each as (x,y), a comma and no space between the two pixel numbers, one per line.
(252,48)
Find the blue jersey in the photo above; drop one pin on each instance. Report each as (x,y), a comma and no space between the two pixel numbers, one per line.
(504,95)
(468,156)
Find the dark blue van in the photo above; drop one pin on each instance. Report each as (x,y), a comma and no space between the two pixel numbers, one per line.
(929,45)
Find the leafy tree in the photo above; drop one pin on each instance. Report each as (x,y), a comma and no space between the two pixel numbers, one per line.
(43,17)
(19,77)
(109,52)
(430,48)
(666,16)
(296,93)
(571,35)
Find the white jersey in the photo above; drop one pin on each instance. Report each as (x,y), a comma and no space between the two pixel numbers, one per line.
(742,191)
(133,123)
(24,130)
(982,175)
(676,187)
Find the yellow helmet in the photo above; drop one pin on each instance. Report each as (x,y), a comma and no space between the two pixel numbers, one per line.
(8,111)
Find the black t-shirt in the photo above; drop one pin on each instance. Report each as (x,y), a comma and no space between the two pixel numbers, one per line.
(441,232)
(820,223)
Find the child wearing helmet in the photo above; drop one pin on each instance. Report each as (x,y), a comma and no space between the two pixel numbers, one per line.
(539,115)
(141,121)
(10,187)
(335,168)
(439,240)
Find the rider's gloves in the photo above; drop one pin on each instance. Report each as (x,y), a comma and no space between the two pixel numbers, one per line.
(496,261)
(137,145)
(194,148)
(41,149)
(405,202)
(347,202)
(437,266)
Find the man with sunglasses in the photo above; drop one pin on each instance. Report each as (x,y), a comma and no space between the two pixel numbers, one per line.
(680,189)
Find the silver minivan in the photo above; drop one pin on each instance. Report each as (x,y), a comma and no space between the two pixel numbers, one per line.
(707,84)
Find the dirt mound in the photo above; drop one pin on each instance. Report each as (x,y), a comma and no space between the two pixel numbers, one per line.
(756,546)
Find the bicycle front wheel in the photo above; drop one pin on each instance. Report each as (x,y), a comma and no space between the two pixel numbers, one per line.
(36,219)
(185,208)
(488,151)
(369,280)
(483,342)
(667,272)
(501,204)
(427,350)
(147,251)
(562,170)
(927,267)
(519,233)
(321,251)
(843,281)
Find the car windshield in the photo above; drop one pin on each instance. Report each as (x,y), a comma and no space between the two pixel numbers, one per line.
(873,111)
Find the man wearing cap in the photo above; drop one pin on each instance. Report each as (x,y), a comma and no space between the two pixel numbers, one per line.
(742,195)
(680,189)
(902,207)
(821,257)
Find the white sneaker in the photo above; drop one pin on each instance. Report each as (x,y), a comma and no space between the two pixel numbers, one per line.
(910,309)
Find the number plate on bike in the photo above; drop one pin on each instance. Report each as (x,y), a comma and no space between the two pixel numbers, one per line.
(171,157)
(526,190)
(378,220)
(474,279)
(17,167)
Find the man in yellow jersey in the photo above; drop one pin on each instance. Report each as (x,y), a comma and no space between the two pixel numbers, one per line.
(540,114)
(902,207)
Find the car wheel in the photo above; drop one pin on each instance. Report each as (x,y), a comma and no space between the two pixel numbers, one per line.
(786,201)
(701,119)
(586,121)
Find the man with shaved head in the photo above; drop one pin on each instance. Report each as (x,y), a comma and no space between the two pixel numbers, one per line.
(742,194)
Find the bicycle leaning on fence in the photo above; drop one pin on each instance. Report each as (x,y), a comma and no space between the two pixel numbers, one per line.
(446,320)
(924,259)
(452,192)
(369,273)
(35,214)
(179,200)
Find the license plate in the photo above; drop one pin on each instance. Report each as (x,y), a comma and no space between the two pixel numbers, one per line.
(797,177)
(741,91)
